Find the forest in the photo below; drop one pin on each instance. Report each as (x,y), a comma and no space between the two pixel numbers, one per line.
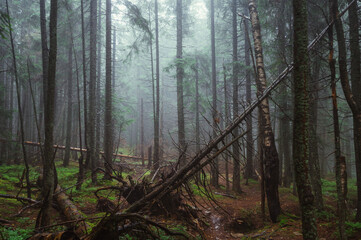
(180,119)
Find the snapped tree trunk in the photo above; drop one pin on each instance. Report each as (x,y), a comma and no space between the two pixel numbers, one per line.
(269,146)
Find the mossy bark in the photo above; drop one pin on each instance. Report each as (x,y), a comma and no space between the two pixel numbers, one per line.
(301,120)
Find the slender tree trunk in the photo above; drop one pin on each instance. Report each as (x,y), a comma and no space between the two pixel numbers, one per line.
(81,158)
(300,126)
(21,120)
(341,204)
(261,164)
(142,131)
(180,73)
(356,91)
(108,138)
(314,163)
(49,173)
(92,87)
(226,123)
(98,84)
(157,103)
(85,92)
(150,157)
(269,147)
(247,45)
(236,186)
(70,103)
(44,54)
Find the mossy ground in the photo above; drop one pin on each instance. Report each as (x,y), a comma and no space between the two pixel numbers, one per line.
(244,206)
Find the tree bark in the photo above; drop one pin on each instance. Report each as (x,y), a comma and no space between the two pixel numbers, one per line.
(356,91)
(157,103)
(70,211)
(98,85)
(85,92)
(236,186)
(341,204)
(92,86)
(227,121)
(142,131)
(70,103)
(301,119)
(247,45)
(21,120)
(44,52)
(108,136)
(48,165)
(214,165)
(180,73)
(269,146)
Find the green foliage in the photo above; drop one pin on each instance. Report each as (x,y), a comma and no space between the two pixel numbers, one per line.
(325,215)
(14,233)
(4,24)
(352,228)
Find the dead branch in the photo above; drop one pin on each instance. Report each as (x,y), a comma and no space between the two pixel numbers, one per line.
(21,199)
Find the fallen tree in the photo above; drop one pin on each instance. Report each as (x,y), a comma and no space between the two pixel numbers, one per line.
(71,212)
(201,159)
(36,144)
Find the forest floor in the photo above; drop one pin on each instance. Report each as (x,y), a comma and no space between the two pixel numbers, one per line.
(233,217)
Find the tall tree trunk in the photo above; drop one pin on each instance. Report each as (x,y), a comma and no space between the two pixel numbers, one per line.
(341,204)
(227,121)
(142,131)
(92,86)
(44,53)
(261,163)
(108,138)
(247,45)
(180,73)
(81,158)
(269,146)
(98,84)
(214,165)
(157,103)
(21,120)
(314,163)
(85,92)
(300,126)
(70,103)
(356,91)
(49,174)
(236,186)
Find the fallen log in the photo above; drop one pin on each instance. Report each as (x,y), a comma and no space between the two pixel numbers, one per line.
(67,235)
(36,144)
(71,212)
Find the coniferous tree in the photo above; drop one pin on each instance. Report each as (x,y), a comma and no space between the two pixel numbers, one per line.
(180,73)
(108,138)
(300,125)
